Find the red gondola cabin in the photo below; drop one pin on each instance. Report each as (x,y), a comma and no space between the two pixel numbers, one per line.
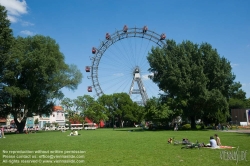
(93,50)
(87,69)
(89,88)
(107,36)
(125,29)
(163,36)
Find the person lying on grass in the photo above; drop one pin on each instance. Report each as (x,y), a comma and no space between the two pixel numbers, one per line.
(170,140)
(71,133)
(185,141)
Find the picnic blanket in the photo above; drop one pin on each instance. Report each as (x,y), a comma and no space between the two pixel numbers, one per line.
(221,147)
(226,147)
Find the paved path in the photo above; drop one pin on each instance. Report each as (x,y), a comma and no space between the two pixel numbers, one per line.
(237,131)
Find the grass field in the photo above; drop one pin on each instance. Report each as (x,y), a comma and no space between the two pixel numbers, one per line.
(122,147)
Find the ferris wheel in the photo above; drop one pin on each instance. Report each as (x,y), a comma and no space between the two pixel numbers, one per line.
(120,64)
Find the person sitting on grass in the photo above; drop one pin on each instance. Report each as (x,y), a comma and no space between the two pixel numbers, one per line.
(71,133)
(217,139)
(212,143)
(75,133)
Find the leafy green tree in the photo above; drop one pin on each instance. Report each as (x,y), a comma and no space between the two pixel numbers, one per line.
(119,106)
(76,119)
(237,97)
(68,104)
(247,103)
(96,112)
(123,108)
(108,102)
(195,75)
(236,92)
(34,74)
(157,111)
(36,122)
(137,114)
(6,41)
(235,103)
(82,103)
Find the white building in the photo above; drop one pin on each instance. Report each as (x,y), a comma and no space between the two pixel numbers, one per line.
(57,116)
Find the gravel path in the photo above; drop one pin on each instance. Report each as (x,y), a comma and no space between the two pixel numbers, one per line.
(238,131)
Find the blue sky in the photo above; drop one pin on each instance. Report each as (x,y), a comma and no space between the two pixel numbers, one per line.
(79,25)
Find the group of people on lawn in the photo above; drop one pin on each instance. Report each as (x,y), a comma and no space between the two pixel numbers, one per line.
(213,142)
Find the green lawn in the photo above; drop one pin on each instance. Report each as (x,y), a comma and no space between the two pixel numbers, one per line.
(122,147)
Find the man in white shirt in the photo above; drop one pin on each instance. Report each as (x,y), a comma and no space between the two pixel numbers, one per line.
(213,143)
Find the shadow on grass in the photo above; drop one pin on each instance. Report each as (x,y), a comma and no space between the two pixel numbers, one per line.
(243,133)
(37,132)
(130,129)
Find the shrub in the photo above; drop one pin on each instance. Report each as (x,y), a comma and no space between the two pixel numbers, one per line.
(200,126)
(186,127)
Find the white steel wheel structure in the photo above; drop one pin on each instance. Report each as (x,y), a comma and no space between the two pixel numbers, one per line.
(120,64)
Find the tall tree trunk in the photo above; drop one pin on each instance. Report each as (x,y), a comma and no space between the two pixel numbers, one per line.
(20,125)
(122,121)
(193,124)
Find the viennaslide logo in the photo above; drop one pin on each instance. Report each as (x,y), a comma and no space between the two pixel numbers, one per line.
(234,155)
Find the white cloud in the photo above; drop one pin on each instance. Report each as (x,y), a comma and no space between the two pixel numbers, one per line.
(15,8)
(28,33)
(12,19)
(25,23)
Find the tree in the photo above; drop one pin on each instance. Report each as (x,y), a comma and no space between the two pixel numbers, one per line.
(119,106)
(36,122)
(108,102)
(67,103)
(96,112)
(123,108)
(76,119)
(195,75)
(237,96)
(157,111)
(82,103)
(34,74)
(6,40)
(247,103)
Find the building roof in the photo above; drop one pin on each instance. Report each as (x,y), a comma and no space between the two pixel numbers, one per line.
(2,120)
(57,108)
